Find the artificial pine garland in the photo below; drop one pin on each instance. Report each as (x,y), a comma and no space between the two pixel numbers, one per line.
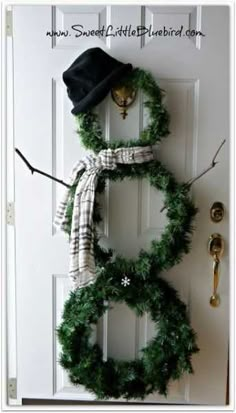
(167,356)
(180,211)
(90,131)
(136,282)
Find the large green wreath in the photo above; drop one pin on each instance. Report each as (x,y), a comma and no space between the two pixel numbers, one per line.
(168,355)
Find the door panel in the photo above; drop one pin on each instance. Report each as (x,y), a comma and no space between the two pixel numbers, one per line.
(189,70)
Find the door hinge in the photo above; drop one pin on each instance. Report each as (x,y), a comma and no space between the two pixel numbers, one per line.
(12,383)
(10,213)
(9,23)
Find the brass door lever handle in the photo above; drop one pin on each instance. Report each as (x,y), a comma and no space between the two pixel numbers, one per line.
(215,249)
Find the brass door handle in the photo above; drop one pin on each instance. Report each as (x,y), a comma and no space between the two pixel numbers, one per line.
(215,249)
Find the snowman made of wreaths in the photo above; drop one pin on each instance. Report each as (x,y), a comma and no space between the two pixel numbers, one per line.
(98,275)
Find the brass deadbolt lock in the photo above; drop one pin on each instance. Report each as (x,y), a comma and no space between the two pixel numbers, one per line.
(217,212)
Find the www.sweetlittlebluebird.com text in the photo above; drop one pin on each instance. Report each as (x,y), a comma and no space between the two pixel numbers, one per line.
(78,30)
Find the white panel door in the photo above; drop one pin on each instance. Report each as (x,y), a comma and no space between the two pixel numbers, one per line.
(194,73)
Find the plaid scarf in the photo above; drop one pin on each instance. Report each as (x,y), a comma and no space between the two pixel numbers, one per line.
(82,270)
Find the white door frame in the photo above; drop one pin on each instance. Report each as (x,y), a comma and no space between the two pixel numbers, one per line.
(8,238)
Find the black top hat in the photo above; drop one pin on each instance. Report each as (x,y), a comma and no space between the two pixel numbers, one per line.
(91,76)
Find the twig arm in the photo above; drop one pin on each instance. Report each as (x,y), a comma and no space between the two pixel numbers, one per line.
(218,150)
(24,160)
(32,169)
(211,166)
(60,181)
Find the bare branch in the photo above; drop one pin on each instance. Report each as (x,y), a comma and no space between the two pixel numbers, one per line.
(218,150)
(211,166)
(32,169)
(188,184)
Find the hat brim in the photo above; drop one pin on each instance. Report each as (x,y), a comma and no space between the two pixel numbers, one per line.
(101,90)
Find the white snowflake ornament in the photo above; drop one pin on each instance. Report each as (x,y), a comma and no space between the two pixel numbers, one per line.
(125,281)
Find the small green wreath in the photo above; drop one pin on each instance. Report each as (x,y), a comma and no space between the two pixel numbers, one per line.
(90,131)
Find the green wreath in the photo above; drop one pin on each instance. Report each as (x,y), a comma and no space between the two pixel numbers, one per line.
(167,356)
(175,239)
(90,131)
(136,282)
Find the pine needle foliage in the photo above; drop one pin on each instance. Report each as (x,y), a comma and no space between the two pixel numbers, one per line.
(168,355)
(91,133)
(175,240)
